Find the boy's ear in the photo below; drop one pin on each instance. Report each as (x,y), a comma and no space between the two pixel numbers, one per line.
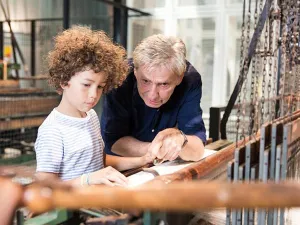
(64,86)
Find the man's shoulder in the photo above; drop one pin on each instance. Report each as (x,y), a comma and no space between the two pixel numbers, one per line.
(191,76)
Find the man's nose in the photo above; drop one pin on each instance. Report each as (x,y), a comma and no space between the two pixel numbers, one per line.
(153,93)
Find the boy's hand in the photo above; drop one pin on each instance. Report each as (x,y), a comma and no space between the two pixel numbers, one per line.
(108,176)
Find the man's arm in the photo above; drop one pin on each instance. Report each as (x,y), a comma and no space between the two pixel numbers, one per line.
(167,145)
(189,121)
(193,150)
(126,163)
(131,147)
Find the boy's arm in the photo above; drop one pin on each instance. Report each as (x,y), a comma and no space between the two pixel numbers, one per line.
(108,176)
(126,163)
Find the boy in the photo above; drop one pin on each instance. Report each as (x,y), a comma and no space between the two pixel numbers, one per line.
(83,65)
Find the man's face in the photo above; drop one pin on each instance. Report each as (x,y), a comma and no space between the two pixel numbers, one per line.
(156,86)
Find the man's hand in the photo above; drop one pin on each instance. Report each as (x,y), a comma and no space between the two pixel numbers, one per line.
(108,176)
(167,144)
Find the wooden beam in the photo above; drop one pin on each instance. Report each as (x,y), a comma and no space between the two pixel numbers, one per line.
(178,196)
(22,106)
(9,83)
(21,123)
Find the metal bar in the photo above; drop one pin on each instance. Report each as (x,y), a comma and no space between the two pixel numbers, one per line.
(236,165)
(1,41)
(257,33)
(272,167)
(251,211)
(265,178)
(229,179)
(277,177)
(273,151)
(120,25)
(286,130)
(235,179)
(214,123)
(66,14)
(261,152)
(40,19)
(247,162)
(247,177)
(118,5)
(32,47)
(240,211)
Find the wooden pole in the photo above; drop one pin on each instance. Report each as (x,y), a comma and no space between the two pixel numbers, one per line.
(4,63)
(177,196)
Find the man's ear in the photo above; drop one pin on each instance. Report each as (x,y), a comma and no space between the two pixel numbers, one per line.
(180,79)
(134,71)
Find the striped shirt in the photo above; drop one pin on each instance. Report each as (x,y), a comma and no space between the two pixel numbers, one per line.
(69,146)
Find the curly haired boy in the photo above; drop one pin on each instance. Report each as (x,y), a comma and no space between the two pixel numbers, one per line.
(83,65)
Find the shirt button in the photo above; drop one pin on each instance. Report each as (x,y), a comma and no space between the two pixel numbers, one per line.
(152,130)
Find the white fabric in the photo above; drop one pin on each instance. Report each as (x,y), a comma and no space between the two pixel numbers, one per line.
(162,169)
(69,146)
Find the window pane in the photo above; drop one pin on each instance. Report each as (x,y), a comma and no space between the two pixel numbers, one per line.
(200,51)
(235,1)
(196,2)
(140,4)
(142,28)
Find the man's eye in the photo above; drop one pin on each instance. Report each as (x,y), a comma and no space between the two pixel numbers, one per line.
(145,81)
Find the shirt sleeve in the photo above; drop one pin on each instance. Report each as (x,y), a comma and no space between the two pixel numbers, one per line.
(115,118)
(49,150)
(190,114)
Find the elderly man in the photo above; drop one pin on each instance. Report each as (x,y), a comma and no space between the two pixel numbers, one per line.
(157,108)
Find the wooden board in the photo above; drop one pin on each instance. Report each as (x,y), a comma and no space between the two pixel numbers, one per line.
(9,83)
(21,123)
(23,106)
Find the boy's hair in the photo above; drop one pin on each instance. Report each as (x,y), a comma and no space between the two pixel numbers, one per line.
(79,49)
(160,50)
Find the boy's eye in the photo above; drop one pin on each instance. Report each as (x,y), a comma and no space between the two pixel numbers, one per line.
(86,85)
(100,87)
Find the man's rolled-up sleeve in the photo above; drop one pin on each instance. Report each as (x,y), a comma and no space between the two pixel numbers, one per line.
(190,114)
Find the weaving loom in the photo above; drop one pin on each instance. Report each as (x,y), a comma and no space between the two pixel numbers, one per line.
(267,98)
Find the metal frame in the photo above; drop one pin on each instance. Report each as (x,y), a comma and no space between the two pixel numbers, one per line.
(257,33)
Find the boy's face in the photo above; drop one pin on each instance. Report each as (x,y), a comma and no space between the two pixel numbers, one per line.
(84,91)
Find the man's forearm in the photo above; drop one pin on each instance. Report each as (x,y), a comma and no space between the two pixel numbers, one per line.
(125,163)
(129,146)
(194,149)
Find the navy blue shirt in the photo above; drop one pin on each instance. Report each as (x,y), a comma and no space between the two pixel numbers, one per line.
(126,114)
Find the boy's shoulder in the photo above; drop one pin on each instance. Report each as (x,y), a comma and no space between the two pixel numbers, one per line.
(50,123)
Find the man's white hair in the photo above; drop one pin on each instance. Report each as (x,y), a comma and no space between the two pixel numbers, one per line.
(161,51)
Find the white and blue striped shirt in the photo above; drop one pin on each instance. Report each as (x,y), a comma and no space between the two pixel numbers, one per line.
(69,146)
